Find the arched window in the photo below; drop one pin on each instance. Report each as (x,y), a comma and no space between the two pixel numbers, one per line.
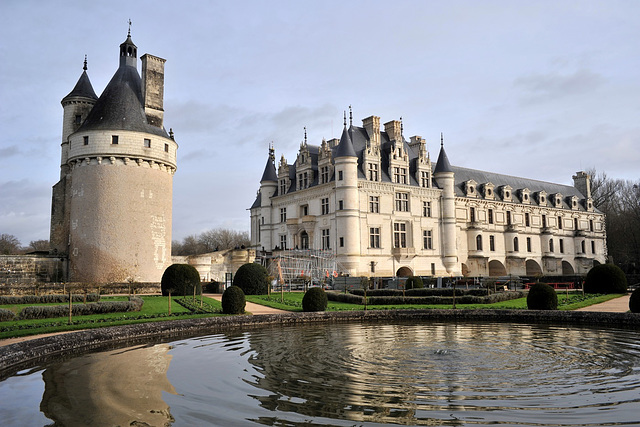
(582,246)
(479,242)
(516,245)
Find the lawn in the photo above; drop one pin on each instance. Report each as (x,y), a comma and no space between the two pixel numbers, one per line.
(292,301)
(155,309)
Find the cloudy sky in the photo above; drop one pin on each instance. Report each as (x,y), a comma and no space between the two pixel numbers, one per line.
(538,89)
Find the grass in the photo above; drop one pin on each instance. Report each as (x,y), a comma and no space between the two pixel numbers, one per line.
(155,309)
(293,302)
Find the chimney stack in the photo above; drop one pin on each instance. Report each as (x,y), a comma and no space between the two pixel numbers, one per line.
(153,88)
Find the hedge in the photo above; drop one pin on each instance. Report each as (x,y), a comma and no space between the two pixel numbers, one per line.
(46,299)
(6,315)
(49,311)
(422,292)
(396,299)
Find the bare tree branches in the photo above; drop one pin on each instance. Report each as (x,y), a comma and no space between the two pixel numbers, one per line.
(209,241)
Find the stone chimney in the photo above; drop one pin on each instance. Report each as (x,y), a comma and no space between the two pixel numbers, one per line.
(153,88)
(372,125)
(394,130)
(582,181)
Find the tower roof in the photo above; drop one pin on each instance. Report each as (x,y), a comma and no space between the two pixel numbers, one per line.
(270,169)
(443,164)
(83,87)
(345,147)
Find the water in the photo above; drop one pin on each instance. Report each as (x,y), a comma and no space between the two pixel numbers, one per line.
(435,374)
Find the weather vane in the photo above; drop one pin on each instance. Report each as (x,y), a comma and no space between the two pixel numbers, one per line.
(129,27)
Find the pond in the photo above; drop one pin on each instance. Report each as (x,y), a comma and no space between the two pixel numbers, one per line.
(345,374)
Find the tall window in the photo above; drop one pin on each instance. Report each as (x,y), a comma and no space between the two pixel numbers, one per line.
(78,119)
(85,140)
(561,246)
(490,216)
(304,210)
(559,223)
(374,237)
(575,224)
(373,171)
(590,225)
(400,175)
(324,205)
(399,235)
(492,243)
(427,239)
(472,214)
(340,205)
(425,181)
(339,175)
(508,217)
(479,242)
(303,180)
(544,221)
(166,148)
(582,247)
(593,247)
(426,208)
(283,241)
(283,186)
(402,202)
(526,219)
(551,245)
(374,204)
(283,214)
(325,239)
(516,244)
(324,174)
(528,244)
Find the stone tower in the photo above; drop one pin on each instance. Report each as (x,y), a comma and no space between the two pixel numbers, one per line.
(445,177)
(111,209)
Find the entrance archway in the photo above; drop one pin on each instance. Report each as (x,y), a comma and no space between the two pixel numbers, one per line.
(404,272)
(496,268)
(304,240)
(567,269)
(533,268)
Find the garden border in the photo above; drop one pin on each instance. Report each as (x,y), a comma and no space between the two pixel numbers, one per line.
(31,353)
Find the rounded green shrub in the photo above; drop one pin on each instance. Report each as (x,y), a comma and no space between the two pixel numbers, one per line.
(634,301)
(233,301)
(253,279)
(315,299)
(605,279)
(180,279)
(414,282)
(542,297)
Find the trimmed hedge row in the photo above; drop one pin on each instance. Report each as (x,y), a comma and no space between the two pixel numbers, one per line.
(415,300)
(421,292)
(49,311)
(347,298)
(6,315)
(46,299)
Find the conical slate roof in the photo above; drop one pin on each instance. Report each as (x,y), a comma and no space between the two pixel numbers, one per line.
(345,147)
(82,89)
(443,164)
(269,172)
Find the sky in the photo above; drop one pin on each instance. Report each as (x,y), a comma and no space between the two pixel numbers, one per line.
(536,89)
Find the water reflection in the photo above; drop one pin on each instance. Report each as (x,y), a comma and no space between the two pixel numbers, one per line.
(116,388)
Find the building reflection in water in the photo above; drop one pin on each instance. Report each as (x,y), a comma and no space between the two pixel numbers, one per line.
(118,387)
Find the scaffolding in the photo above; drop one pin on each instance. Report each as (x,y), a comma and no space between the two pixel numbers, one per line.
(303,266)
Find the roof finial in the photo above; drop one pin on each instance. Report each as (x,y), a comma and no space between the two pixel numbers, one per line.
(272,151)
(401,126)
(305,135)
(350,116)
(345,119)
(129,33)
(85,63)
(441,140)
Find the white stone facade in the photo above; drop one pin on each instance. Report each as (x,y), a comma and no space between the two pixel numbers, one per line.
(386,211)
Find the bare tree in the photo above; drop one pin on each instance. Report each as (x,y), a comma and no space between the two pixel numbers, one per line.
(39,245)
(9,244)
(222,238)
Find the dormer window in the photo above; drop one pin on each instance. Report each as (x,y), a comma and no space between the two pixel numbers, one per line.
(470,188)
(557,198)
(506,193)
(525,195)
(488,191)
(574,202)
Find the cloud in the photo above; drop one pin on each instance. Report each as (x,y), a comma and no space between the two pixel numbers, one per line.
(10,151)
(552,86)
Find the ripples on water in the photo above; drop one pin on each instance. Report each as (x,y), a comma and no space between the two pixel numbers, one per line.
(369,374)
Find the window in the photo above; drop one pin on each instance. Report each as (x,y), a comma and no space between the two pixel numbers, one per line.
(508,217)
(528,244)
(544,221)
(283,214)
(324,205)
(551,245)
(283,241)
(85,139)
(342,242)
(479,242)
(425,181)
(374,204)
(516,245)
(427,239)
(575,224)
(304,210)
(373,171)
(492,243)
(399,235)
(340,205)
(593,247)
(402,202)
(582,247)
(324,174)
(426,209)
(325,239)
(147,143)
(303,181)
(283,186)
(590,225)
(374,237)
(559,223)
(490,216)
(561,246)
(339,175)
(526,219)
(400,175)
(166,148)
(114,139)
(472,214)
(78,119)
(433,268)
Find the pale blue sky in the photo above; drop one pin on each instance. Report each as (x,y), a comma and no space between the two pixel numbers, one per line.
(539,89)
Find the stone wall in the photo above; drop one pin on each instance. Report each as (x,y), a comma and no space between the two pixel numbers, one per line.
(30,269)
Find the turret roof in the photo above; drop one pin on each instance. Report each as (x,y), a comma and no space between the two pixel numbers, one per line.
(345,147)
(83,87)
(270,171)
(443,164)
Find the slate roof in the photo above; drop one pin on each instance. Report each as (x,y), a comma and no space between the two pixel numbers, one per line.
(345,147)
(83,88)
(120,106)
(443,164)
(269,173)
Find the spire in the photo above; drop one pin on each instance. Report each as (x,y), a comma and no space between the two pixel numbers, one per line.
(345,147)
(83,87)
(269,173)
(350,116)
(443,164)
(85,63)
(305,135)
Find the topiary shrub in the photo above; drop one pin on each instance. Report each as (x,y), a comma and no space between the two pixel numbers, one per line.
(542,297)
(180,279)
(315,299)
(253,279)
(233,301)
(414,282)
(634,301)
(605,279)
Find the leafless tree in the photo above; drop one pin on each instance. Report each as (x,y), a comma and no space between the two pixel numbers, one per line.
(9,244)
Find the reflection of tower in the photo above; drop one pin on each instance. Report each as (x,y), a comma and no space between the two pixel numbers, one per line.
(111,209)
(110,388)
(445,177)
